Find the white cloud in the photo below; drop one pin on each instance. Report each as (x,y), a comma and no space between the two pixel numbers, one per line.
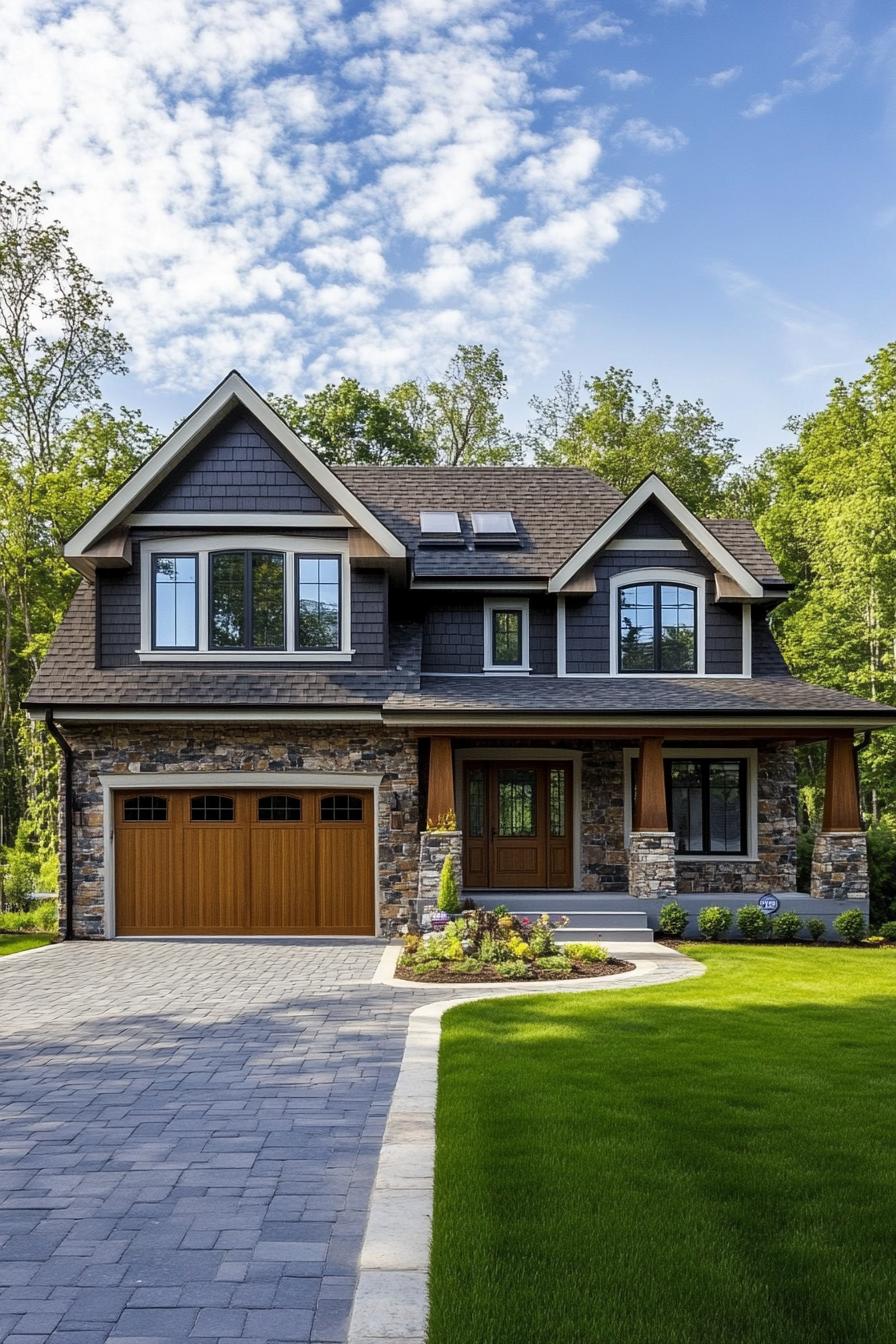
(624,79)
(660,139)
(721,78)
(822,64)
(284,188)
(671,6)
(602,27)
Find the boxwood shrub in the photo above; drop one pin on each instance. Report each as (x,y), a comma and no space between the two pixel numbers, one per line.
(713,921)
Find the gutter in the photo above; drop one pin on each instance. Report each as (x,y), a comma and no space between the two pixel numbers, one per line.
(67,773)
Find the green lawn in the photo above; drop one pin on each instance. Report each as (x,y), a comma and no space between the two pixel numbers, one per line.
(22,942)
(709,1162)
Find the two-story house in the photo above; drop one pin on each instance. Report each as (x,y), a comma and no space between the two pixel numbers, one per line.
(275,674)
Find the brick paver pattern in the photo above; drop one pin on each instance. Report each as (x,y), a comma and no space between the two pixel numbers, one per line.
(188,1136)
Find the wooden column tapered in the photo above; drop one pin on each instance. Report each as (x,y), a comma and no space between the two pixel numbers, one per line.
(841,790)
(650,800)
(440,794)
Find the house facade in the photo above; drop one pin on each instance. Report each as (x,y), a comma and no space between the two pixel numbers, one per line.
(284,692)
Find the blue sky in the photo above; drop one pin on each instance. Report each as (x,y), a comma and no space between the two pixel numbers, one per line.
(702,190)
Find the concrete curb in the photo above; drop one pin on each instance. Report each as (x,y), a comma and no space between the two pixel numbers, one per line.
(391,1302)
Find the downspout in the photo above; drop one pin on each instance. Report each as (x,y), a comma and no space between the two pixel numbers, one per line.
(68,757)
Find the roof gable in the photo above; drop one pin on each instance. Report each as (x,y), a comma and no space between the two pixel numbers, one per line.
(654,490)
(232,395)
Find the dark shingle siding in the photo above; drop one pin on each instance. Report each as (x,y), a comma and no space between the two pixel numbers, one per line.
(118,601)
(453,636)
(369,617)
(236,469)
(768,660)
(648,522)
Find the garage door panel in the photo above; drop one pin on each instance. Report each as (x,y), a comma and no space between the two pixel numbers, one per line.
(215,878)
(148,880)
(282,879)
(344,879)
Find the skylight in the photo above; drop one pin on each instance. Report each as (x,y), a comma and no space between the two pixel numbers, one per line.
(439,522)
(493,523)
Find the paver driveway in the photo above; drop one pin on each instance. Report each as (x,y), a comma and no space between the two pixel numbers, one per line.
(188,1136)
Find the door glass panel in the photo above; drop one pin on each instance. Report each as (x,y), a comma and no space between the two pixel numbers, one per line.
(279,807)
(558,801)
(341,807)
(211,807)
(516,802)
(146,807)
(475,804)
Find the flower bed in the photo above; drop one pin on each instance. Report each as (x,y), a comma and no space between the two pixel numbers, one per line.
(486,945)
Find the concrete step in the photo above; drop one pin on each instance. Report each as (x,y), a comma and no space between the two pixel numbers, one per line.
(593,917)
(561,902)
(603,933)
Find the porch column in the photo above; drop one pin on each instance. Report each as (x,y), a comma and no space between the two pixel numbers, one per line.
(840,855)
(651,858)
(440,838)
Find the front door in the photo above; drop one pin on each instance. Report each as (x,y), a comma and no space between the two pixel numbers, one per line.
(517,825)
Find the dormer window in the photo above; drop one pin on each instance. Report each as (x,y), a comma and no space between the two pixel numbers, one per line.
(285,597)
(657,623)
(506,635)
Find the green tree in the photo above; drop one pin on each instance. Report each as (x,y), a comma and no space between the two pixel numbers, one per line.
(464,422)
(623,432)
(345,422)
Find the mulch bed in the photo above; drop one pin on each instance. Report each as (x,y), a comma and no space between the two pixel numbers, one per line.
(580,970)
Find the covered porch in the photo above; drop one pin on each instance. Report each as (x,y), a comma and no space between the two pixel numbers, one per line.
(613,824)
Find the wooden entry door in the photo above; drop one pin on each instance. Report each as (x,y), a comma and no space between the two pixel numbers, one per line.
(518,824)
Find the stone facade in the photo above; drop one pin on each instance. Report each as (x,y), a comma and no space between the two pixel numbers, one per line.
(142,749)
(435,846)
(651,865)
(840,866)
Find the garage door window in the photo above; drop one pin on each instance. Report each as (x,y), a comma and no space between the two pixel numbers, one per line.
(341,807)
(211,807)
(279,807)
(145,807)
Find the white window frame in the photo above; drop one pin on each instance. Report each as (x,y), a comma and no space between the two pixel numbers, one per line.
(748,754)
(683,577)
(203,547)
(489,606)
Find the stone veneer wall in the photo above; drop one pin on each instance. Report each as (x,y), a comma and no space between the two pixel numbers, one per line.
(141,749)
(435,846)
(651,865)
(840,866)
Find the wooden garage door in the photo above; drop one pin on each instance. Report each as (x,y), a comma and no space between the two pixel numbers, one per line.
(244,861)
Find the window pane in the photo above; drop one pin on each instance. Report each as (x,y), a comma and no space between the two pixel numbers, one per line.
(174,582)
(268,631)
(341,807)
(319,602)
(685,783)
(558,802)
(507,638)
(228,624)
(677,628)
(516,802)
(280,807)
(476,804)
(636,629)
(211,807)
(146,807)
(725,807)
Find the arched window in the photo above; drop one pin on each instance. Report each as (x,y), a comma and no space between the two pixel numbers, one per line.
(657,627)
(341,807)
(279,807)
(145,807)
(211,807)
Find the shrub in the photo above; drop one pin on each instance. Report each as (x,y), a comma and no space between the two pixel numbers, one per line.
(882,869)
(448,901)
(816,929)
(469,966)
(541,935)
(888,931)
(752,923)
(673,919)
(500,910)
(558,963)
(713,921)
(850,926)
(43,918)
(424,966)
(786,926)
(513,970)
(586,951)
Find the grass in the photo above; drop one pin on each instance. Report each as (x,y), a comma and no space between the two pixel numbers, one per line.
(709,1162)
(13,942)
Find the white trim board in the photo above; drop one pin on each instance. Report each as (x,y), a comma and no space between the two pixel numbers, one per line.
(656,490)
(489,606)
(225,779)
(233,391)
(244,519)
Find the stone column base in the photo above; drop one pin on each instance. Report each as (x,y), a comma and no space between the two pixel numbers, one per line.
(651,865)
(434,847)
(840,866)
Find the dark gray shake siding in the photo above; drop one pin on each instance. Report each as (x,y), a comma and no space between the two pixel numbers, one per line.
(588,619)
(118,608)
(236,470)
(454,634)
